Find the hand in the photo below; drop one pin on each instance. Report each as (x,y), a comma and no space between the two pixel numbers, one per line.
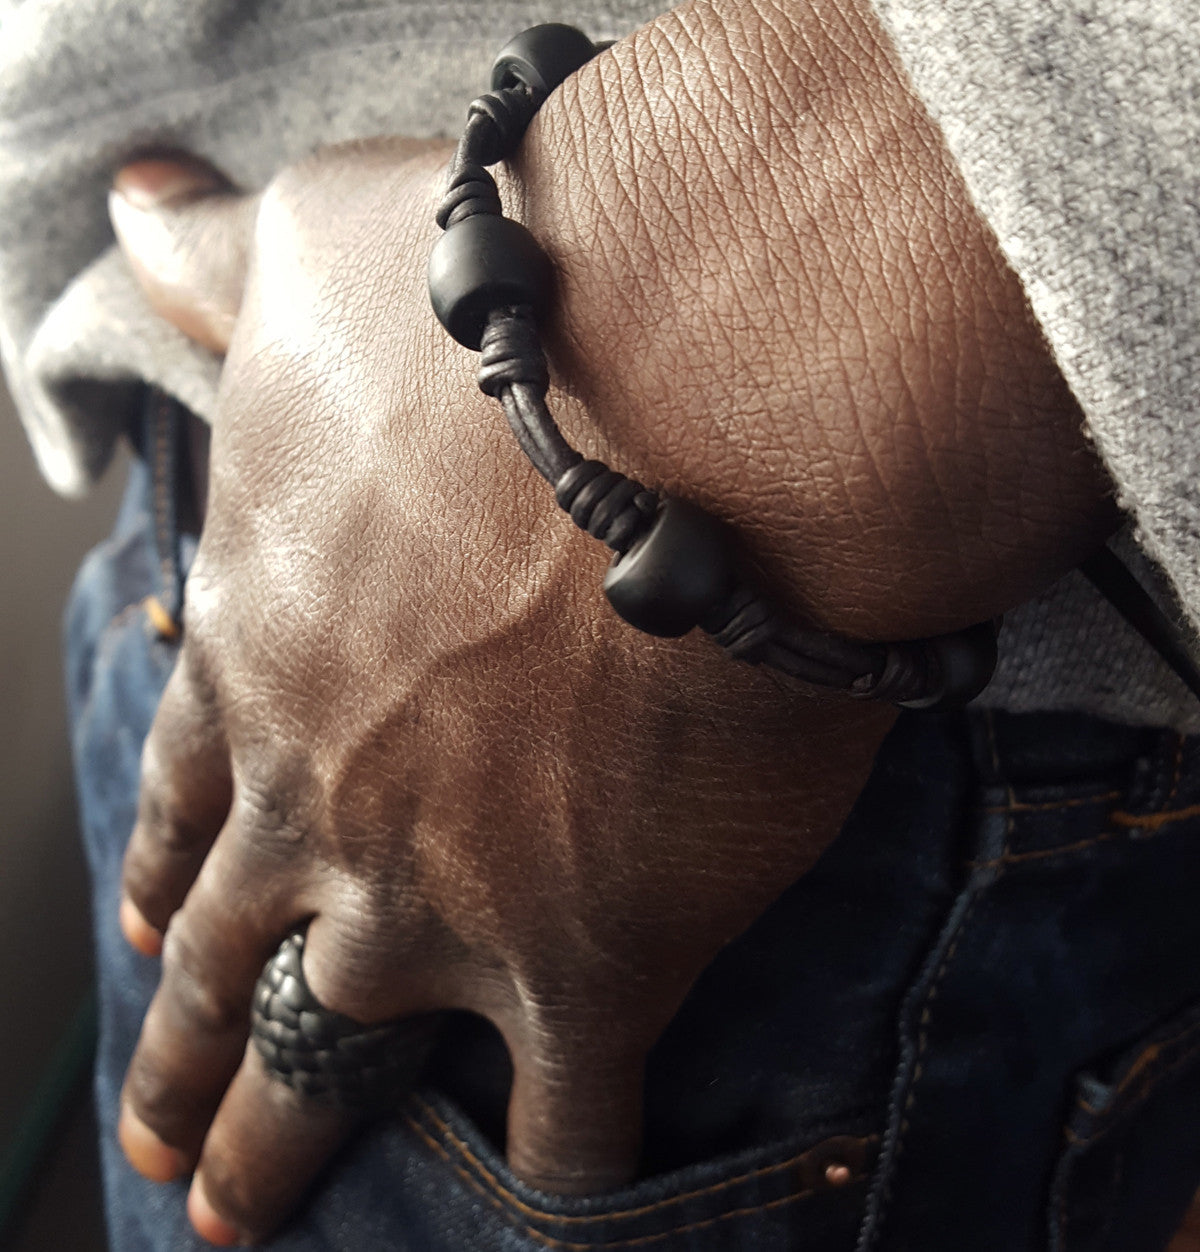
(402,709)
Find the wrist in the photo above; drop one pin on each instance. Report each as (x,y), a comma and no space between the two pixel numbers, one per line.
(776,299)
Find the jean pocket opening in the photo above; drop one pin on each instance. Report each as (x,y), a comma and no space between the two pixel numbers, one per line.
(784,1195)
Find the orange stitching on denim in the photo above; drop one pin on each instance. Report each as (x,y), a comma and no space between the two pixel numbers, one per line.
(1166,1072)
(641,1240)
(1155,821)
(469,1179)
(441,1126)
(1152,823)
(551,1242)
(1143,1071)
(1017,858)
(1051,805)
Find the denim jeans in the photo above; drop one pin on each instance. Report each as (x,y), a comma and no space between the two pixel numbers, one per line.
(975,1025)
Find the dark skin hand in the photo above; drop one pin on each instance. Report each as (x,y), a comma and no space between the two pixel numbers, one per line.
(402,709)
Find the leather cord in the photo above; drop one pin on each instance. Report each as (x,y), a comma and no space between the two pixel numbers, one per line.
(674,567)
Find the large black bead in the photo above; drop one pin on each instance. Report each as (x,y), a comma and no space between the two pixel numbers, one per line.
(677,574)
(482,264)
(542,57)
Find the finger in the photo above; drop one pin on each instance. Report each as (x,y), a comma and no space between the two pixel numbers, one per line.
(183,802)
(266,1145)
(186,234)
(270,1138)
(196,1027)
(575,1112)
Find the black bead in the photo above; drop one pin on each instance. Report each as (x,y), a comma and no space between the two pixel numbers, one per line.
(964,663)
(482,264)
(677,574)
(542,57)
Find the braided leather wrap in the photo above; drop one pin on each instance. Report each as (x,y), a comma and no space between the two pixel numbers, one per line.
(511,354)
(608,505)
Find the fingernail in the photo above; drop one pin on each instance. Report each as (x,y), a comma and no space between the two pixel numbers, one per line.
(207,1223)
(153,1159)
(160,184)
(138,931)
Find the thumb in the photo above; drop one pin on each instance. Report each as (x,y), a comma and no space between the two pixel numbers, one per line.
(186,234)
(574,1115)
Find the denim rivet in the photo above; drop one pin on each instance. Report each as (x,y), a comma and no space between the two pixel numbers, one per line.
(837,1174)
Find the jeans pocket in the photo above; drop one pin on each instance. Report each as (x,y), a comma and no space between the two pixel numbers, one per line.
(1131,1158)
(781,1197)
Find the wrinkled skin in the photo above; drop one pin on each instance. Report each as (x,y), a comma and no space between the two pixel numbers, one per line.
(402,708)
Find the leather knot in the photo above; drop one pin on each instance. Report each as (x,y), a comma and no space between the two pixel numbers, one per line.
(511,353)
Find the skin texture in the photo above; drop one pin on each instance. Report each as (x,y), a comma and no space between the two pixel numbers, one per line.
(402,709)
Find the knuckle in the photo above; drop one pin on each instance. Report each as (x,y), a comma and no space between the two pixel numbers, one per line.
(195,994)
(164,819)
(154,1097)
(269,810)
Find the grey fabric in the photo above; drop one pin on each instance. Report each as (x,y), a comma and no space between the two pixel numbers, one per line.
(249,84)
(1075,124)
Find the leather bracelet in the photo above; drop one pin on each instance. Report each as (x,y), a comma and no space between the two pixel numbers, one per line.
(675,566)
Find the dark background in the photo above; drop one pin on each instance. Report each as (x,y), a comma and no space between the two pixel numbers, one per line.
(45,946)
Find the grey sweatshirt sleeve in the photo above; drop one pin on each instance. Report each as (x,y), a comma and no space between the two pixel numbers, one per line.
(1076,124)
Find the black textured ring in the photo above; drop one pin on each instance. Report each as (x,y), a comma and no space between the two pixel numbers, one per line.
(325,1055)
